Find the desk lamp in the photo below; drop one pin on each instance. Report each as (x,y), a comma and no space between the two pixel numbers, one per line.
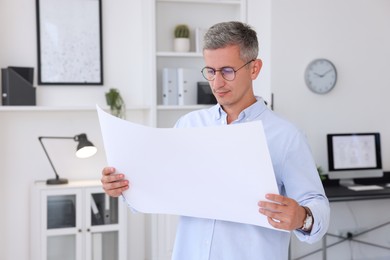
(85,149)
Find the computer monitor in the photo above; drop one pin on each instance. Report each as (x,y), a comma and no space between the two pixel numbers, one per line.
(354,155)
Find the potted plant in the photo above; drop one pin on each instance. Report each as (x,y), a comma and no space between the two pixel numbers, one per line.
(182,38)
(116,103)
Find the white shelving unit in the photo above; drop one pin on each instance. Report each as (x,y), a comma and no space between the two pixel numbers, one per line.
(76,221)
(196,14)
(169,13)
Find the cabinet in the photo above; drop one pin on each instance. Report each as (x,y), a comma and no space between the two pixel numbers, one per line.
(76,221)
(199,15)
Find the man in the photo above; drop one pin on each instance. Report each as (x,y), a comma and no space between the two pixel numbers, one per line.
(230,54)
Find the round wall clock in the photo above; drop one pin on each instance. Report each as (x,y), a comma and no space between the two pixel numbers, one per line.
(320,76)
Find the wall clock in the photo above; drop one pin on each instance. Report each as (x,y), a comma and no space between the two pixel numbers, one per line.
(320,76)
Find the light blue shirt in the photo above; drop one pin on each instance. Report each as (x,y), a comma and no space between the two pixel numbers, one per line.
(296,176)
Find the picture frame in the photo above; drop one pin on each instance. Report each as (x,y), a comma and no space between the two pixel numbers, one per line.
(69,35)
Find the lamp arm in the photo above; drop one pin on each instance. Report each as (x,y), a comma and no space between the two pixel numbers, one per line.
(47,155)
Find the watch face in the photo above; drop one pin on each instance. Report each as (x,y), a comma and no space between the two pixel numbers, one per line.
(320,76)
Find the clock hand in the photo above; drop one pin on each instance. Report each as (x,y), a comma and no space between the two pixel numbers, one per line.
(326,73)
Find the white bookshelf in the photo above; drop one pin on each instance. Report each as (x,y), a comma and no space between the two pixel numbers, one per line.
(167,14)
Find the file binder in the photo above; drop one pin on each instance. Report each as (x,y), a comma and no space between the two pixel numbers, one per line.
(96,217)
(17,86)
(205,94)
(187,85)
(169,86)
(107,211)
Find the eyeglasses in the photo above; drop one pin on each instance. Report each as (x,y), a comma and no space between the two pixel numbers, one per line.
(228,73)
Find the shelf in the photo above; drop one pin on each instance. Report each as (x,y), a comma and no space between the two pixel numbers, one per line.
(71,184)
(233,2)
(179,54)
(62,108)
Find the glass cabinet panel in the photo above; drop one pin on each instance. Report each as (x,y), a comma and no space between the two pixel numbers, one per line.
(61,211)
(61,247)
(105,245)
(104,209)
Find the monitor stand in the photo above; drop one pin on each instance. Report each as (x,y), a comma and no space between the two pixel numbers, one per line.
(347,182)
(346,178)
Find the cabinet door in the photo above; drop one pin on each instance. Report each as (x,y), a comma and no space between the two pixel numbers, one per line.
(62,224)
(103,223)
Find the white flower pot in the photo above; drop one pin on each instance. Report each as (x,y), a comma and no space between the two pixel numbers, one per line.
(181,44)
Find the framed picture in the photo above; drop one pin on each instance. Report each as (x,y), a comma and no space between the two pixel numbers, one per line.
(69,42)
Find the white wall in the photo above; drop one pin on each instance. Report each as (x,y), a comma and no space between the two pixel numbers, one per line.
(355,36)
(351,33)
(22,159)
(123,52)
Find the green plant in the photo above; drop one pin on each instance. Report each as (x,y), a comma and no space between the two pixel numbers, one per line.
(115,102)
(320,173)
(182,31)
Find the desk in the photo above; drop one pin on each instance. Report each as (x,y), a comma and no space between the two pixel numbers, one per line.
(337,193)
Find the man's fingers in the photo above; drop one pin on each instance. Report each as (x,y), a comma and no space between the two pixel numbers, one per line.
(112,178)
(114,181)
(272,206)
(278,198)
(108,171)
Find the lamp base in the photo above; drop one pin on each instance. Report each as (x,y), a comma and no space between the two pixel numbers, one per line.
(56,181)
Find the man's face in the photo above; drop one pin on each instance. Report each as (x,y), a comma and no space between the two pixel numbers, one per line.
(238,93)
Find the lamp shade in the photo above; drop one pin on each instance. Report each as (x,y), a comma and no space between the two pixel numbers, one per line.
(85,148)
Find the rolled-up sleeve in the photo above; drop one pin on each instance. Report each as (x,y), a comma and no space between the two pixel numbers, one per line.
(298,178)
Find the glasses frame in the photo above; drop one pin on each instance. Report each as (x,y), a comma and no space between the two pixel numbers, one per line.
(221,71)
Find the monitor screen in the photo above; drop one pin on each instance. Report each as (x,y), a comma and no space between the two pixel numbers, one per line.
(354,155)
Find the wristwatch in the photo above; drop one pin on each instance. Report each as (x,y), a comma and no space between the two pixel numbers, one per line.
(308,222)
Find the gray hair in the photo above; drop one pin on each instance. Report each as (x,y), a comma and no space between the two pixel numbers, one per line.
(226,34)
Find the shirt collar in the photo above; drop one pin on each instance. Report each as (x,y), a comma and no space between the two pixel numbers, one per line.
(248,114)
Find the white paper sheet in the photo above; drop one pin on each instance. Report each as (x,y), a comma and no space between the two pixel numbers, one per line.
(208,172)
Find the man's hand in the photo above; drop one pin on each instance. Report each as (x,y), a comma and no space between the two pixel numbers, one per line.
(113,183)
(282,212)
